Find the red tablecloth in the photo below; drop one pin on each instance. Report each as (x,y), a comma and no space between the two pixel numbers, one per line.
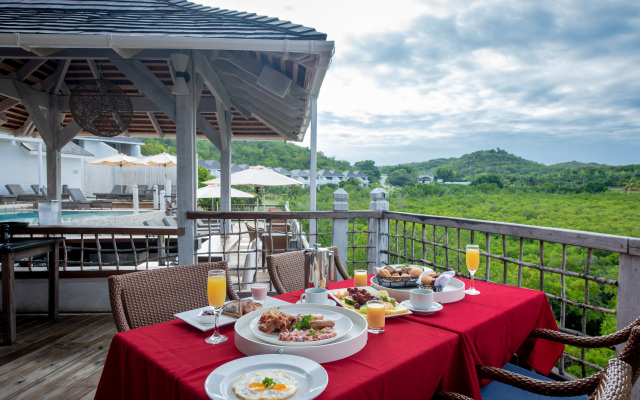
(413,358)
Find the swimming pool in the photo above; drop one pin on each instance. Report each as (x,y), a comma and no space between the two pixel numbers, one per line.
(67,215)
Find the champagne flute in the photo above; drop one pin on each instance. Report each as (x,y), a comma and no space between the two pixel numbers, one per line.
(216,292)
(473,261)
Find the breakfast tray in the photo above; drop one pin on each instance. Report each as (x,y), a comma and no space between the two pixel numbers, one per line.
(346,346)
(453,292)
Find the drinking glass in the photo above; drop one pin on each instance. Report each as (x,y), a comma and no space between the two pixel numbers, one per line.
(216,292)
(473,261)
(360,277)
(375,316)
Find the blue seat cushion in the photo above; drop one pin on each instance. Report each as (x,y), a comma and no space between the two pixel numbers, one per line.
(497,390)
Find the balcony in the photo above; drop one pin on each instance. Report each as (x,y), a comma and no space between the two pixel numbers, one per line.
(589,278)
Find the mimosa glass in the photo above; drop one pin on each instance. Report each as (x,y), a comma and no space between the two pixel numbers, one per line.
(360,277)
(473,261)
(375,316)
(216,293)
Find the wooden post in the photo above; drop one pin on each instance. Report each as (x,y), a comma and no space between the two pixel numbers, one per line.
(339,235)
(379,228)
(186,148)
(628,298)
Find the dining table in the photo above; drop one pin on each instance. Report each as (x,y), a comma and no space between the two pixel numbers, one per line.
(416,356)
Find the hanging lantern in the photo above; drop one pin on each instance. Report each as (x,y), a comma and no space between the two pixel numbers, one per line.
(101,107)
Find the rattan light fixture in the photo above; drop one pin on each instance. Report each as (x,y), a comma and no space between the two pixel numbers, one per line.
(101,107)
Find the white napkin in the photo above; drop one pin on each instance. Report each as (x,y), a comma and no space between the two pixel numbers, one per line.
(444,278)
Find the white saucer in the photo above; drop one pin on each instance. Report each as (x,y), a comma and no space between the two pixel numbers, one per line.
(434,308)
(329,302)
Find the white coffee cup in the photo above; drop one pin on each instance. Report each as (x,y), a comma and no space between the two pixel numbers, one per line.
(421,299)
(314,296)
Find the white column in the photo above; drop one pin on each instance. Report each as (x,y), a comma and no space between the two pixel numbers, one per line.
(135,198)
(186,185)
(313,167)
(41,177)
(340,226)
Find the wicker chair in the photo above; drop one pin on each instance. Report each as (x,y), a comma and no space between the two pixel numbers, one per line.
(591,385)
(614,384)
(287,270)
(150,297)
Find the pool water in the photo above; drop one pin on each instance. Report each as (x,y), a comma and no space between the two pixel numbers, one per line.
(67,215)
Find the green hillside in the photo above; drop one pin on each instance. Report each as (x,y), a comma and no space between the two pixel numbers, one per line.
(479,162)
(269,154)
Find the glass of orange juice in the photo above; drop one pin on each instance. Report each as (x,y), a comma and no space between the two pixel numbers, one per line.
(473,261)
(360,277)
(216,293)
(375,316)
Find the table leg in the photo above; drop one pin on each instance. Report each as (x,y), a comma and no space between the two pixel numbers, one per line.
(53,267)
(8,299)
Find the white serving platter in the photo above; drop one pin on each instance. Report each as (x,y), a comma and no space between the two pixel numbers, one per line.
(311,376)
(191,316)
(342,327)
(351,343)
(453,292)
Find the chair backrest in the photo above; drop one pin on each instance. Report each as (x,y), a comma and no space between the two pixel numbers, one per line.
(77,195)
(169,221)
(117,189)
(631,353)
(150,297)
(286,270)
(615,382)
(15,189)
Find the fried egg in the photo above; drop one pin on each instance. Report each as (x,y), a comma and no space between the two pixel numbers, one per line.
(250,386)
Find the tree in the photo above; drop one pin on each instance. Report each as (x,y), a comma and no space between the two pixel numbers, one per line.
(203,175)
(488,178)
(445,174)
(152,147)
(399,177)
(369,168)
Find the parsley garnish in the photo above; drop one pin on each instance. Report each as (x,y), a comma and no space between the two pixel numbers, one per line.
(304,323)
(268,382)
(312,332)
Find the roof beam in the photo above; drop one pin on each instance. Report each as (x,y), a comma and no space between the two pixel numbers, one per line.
(27,69)
(143,104)
(66,134)
(254,68)
(33,103)
(158,93)
(224,124)
(156,125)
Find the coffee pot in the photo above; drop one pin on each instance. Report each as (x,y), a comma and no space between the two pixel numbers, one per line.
(319,267)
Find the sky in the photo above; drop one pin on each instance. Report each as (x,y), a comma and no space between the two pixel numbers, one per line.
(548,80)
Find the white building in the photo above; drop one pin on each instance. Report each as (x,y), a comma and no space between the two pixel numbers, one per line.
(356,175)
(301,175)
(426,177)
(23,162)
(102,147)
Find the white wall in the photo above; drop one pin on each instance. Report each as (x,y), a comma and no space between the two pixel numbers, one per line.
(19,166)
(98,149)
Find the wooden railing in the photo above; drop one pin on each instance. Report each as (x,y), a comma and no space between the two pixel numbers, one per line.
(103,251)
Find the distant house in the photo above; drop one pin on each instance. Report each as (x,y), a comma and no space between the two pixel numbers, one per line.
(329,176)
(212,166)
(102,147)
(426,177)
(356,175)
(30,155)
(284,172)
(243,166)
(301,176)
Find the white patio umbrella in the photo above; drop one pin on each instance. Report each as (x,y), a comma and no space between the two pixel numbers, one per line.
(161,160)
(213,191)
(258,177)
(118,160)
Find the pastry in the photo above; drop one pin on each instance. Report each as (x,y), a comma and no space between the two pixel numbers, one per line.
(233,309)
(389,269)
(383,272)
(415,271)
(427,280)
(249,305)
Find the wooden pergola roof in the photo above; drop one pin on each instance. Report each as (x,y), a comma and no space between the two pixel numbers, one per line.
(260,70)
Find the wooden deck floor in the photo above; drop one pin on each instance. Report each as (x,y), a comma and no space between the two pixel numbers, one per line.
(55,360)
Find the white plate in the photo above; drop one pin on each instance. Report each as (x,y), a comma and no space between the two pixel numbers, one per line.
(191,316)
(454,291)
(342,327)
(329,302)
(434,308)
(311,377)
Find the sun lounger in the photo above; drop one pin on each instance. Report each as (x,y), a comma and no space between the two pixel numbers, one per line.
(8,198)
(78,197)
(113,194)
(43,191)
(17,190)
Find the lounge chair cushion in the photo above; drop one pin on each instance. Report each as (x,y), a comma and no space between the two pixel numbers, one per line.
(497,390)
